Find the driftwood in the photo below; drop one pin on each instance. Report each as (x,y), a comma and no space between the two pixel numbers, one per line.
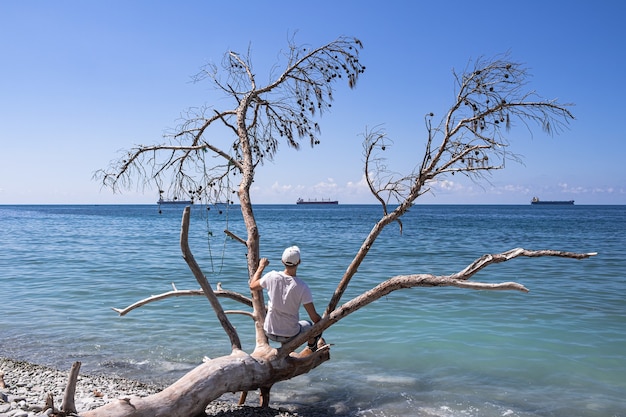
(243,372)
(204,283)
(190,395)
(68,406)
(180,293)
(49,404)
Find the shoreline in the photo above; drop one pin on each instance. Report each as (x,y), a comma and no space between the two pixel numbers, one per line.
(27,385)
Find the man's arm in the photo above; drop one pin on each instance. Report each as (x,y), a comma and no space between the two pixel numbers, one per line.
(310,308)
(255,285)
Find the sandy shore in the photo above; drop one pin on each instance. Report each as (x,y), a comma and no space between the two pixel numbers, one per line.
(27,386)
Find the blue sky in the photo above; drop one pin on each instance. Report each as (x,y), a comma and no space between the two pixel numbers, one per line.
(82,80)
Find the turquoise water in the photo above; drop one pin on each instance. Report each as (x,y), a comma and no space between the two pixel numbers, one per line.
(559,350)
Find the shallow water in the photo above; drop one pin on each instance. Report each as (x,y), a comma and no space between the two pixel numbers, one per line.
(556,351)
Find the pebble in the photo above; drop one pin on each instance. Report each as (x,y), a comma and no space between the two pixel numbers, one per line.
(28,385)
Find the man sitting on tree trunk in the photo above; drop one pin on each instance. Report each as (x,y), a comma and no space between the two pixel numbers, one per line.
(286,293)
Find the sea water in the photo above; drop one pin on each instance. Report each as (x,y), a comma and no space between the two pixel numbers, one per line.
(559,350)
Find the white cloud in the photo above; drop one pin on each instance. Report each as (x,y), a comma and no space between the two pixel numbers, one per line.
(447,185)
(361,185)
(276,187)
(513,188)
(328,186)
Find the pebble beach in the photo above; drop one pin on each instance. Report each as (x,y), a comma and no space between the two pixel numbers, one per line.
(26,387)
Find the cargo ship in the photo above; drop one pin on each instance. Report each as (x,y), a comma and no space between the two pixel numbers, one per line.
(301,201)
(174,201)
(536,200)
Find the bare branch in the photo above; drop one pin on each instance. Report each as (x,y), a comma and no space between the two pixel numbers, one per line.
(285,108)
(489,100)
(181,293)
(458,279)
(241,312)
(204,283)
(169,294)
(489,259)
(234,236)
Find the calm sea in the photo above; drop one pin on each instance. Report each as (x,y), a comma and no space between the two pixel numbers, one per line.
(559,350)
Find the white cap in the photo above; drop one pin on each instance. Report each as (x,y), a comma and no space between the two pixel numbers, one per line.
(291,256)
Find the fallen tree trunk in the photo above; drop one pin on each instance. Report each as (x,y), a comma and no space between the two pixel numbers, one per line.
(191,394)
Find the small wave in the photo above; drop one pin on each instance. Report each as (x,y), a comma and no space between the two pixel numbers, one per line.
(123,364)
(391,379)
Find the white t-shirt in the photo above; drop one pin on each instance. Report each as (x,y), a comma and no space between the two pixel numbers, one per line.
(286,294)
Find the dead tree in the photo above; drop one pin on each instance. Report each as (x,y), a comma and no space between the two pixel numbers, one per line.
(470,140)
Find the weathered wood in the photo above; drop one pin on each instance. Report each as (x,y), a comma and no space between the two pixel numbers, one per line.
(190,395)
(49,404)
(204,283)
(181,293)
(234,236)
(490,259)
(459,279)
(68,406)
(158,297)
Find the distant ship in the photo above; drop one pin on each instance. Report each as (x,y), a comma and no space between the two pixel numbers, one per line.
(174,201)
(301,201)
(536,200)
